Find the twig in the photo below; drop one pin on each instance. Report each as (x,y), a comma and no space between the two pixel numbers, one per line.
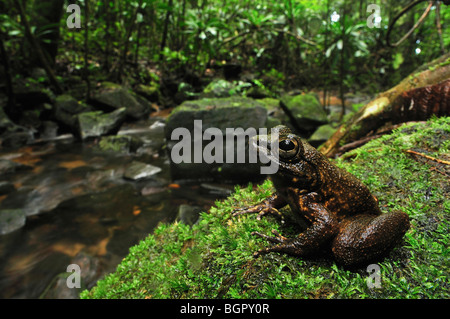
(443,173)
(428,157)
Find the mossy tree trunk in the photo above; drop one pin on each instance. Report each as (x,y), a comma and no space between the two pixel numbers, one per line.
(387,107)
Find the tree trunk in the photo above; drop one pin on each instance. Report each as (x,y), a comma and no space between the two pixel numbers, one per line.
(10,109)
(389,106)
(37,49)
(166,29)
(123,58)
(86,50)
(47,16)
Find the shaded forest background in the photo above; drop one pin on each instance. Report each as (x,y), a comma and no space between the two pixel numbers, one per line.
(275,45)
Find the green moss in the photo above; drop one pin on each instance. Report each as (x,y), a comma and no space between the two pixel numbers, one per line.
(213,259)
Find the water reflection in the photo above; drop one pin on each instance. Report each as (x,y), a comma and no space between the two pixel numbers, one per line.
(80,209)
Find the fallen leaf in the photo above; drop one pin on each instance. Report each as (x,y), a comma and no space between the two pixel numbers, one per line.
(136,210)
(72,164)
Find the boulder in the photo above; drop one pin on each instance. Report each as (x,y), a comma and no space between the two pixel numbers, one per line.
(11,220)
(231,112)
(221,113)
(322,134)
(139,170)
(65,111)
(98,123)
(305,110)
(113,96)
(6,188)
(120,143)
(7,166)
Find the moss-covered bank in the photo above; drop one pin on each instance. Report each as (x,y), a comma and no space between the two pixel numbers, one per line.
(213,259)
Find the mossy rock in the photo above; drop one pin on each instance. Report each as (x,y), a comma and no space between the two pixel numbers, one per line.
(306,110)
(120,143)
(323,133)
(218,88)
(231,112)
(113,96)
(98,123)
(213,258)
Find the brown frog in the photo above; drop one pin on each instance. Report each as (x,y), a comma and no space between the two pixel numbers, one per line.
(339,210)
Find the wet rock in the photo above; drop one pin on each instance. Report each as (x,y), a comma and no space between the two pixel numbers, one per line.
(90,272)
(222,113)
(98,123)
(120,143)
(235,113)
(216,189)
(65,112)
(49,130)
(68,104)
(17,139)
(188,215)
(139,170)
(6,188)
(305,110)
(7,166)
(154,187)
(113,96)
(11,220)
(322,134)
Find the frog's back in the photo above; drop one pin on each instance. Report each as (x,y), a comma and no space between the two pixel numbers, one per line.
(344,194)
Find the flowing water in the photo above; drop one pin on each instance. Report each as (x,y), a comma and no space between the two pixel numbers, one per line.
(80,209)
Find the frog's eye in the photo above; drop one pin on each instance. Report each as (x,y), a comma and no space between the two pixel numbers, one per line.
(288,148)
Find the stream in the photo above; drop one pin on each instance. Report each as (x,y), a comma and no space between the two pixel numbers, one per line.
(80,209)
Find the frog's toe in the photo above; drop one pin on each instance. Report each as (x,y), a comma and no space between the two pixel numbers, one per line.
(278,239)
(269,210)
(246,210)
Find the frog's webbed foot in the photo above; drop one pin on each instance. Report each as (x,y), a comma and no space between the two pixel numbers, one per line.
(277,239)
(268,206)
(260,208)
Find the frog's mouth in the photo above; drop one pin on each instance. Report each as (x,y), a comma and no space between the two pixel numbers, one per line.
(267,148)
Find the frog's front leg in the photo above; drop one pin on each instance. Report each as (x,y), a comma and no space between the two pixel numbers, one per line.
(324,226)
(267,206)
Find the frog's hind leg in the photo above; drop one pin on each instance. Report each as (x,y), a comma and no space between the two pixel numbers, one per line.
(365,238)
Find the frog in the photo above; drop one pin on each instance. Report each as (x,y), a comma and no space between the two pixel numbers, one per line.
(337,211)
